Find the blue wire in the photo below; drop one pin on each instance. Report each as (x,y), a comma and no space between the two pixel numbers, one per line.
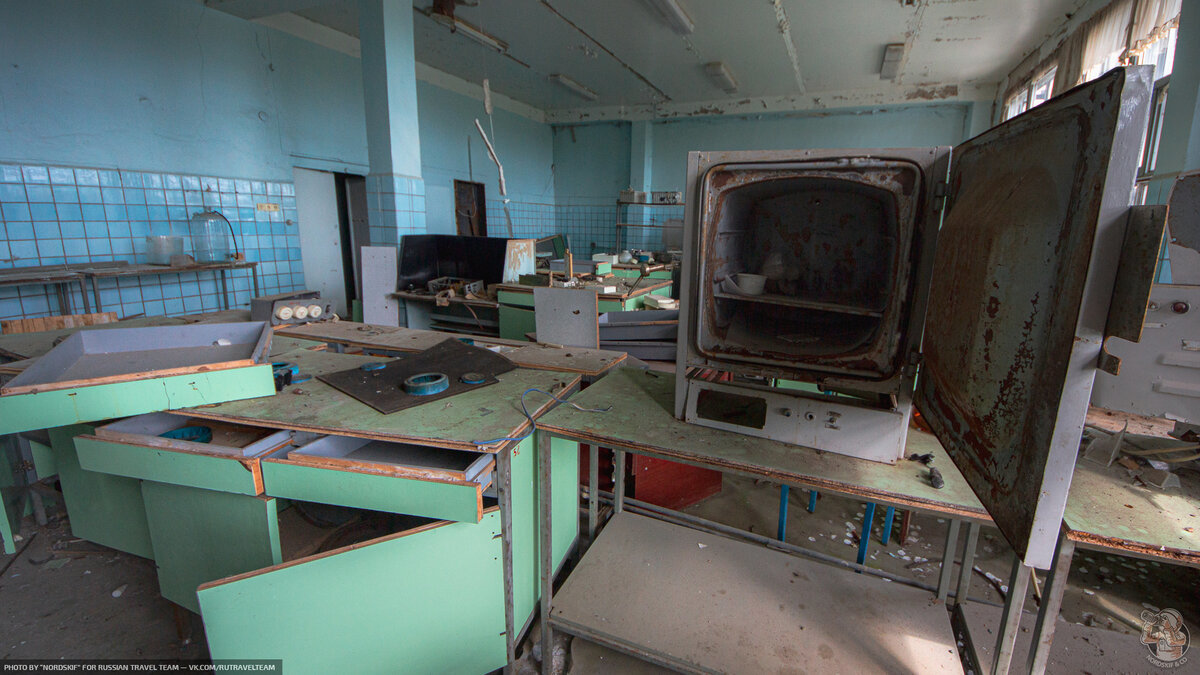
(533,424)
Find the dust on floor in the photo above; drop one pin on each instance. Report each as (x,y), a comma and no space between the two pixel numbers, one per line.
(66,598)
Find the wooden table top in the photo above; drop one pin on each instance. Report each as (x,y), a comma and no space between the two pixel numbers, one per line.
(587,362)
(482,414)
(1105,508)
(642,419)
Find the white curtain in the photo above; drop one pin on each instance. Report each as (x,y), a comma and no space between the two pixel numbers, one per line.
(1092,43)
(1151,19)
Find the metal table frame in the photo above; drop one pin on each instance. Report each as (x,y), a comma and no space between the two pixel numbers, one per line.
(140,271)
(620,503)
(1018,581)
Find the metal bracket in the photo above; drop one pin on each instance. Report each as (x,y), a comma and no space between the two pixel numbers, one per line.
(1135,277)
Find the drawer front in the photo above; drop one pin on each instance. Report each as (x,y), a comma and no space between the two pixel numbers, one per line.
(45,410)
(226,474)
(377,492)
(429,600)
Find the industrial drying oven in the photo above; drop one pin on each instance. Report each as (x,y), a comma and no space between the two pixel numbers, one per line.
(974,280)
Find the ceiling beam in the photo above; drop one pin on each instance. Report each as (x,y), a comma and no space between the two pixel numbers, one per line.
(885,95)
(257,9)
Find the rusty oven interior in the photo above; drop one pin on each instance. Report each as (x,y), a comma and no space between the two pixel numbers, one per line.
(837,242)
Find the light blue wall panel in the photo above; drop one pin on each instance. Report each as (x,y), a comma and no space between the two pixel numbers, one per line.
(451,148)
(170,85)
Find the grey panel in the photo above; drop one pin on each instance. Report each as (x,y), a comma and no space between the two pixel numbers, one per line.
(1022,281)
(566,316)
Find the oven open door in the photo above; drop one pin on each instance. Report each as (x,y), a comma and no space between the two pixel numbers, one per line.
(1023,275)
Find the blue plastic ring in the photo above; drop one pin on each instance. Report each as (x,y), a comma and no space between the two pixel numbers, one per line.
(427,384)
(374,365)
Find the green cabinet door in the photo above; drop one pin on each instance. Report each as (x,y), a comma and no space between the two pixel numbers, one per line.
(205,535)
(429,600)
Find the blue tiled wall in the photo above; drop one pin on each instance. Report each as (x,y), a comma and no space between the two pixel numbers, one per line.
(53,215)
(395,207)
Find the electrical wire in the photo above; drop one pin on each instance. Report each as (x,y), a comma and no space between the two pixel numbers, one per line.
(532,423)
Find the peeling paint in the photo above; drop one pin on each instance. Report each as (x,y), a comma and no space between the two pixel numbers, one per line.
(933,93)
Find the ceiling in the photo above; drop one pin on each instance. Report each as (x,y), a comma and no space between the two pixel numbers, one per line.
(628,55)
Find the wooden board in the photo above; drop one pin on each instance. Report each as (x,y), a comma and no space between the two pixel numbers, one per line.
(30,345)
(483,414)
(704,603)
(401,459)
(383,390)
(642,419)
(44,323)
(567,317)
(1106,508)
(92,358)
(591,362)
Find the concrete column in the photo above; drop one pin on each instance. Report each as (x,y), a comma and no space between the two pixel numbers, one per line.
(641,155)
(1180,147)
(395,190)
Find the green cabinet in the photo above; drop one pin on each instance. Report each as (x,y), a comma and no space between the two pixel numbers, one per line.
(105,509)
(422,599)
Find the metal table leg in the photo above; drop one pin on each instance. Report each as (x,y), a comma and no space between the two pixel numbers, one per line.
(1010,620)
(865,539)
(224,288)
(64,300)
(87,307)
(254,278)
(593,489)
(546,549)
(968,563)
(783,508)
(96,293)
(1052,597)
(888,517)
(618,480)
(504,490)
(948,555)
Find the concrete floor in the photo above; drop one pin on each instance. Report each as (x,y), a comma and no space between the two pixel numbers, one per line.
(65,598)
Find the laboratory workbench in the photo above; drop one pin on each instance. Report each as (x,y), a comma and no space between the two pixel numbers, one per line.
(641,421)
(436,572)
(590,363)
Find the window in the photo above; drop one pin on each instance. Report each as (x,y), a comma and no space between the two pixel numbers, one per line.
(1032,94)
(1160,53)
(1158,106)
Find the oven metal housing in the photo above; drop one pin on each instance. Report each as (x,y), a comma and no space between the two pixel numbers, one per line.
(974,283)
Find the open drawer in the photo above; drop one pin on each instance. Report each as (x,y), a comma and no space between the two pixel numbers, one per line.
(414,595)
(135,447)
(382,476)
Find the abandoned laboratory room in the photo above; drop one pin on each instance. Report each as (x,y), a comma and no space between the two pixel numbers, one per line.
(577,338)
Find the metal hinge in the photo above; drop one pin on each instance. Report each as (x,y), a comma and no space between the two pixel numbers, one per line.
(914,361)
(939,195)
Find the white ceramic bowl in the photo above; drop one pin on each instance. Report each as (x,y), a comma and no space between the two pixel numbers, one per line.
(751,284)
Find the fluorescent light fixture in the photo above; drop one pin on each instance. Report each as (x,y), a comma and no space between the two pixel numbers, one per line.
(574,86)
(893,55)
(457,25)
(674,14)
(719,73)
